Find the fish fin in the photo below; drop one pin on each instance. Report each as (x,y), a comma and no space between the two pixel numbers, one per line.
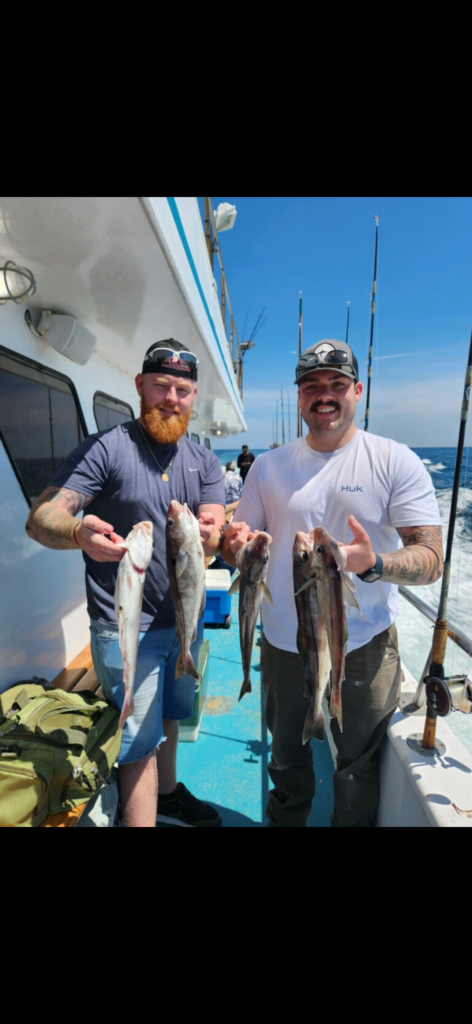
(180,562)
(349,591)
(304,586)
(235,585)
(127,709)
(340,555)
(267,594)
(246,688)
(185,666)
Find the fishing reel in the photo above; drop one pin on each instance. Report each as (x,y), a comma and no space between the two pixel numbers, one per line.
(439,700)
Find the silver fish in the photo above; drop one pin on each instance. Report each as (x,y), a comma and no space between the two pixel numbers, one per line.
(186,568)
(252,561)
(333,588)
(312,635)
(128,604)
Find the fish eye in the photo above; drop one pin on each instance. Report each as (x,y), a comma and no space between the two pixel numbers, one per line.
(247,553)
(171,522)
(264,559)
(303,556)
(320,550)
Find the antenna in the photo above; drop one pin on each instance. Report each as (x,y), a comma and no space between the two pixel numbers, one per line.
(347,325)
(282,406)
(288,413)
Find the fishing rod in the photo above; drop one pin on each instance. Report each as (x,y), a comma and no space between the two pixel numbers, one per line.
(288,414)
(282,407)
(347,325)
(372,314)
(300,322)
(438,696)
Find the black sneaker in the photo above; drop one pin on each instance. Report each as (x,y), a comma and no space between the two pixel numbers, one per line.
(181,808)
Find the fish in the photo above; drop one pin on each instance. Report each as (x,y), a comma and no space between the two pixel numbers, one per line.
(312,635)
(128,603)
(334,589)
(186,568)
(252,561)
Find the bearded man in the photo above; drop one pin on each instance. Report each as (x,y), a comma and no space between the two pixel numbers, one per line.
(123,476)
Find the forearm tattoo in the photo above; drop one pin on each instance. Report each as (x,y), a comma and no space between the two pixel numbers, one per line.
(419,561)
(51,520)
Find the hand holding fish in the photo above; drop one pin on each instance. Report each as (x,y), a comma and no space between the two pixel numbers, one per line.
(235,537)
(206,523)
(359,553)
(99,540)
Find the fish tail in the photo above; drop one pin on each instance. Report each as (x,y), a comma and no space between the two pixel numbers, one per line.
(185,666)
(335,707)
(246,687)
(127,709)
(314,726)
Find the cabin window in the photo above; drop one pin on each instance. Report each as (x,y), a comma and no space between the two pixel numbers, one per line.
(206,442)
(110,411)
(195,437)
(40,420)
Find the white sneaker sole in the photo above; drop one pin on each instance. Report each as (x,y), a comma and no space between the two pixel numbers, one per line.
(172,821)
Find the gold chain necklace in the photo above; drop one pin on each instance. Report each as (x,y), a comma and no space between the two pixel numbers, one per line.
(163,471)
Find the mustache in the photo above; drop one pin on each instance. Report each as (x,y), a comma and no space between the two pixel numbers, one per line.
(318,405)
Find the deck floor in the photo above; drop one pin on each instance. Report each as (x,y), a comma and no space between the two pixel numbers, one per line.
(227,764)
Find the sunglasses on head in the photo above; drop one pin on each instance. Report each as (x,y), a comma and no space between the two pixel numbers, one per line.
(165,360)
(337,357)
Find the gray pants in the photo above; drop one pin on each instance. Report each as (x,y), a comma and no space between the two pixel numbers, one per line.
(369,694)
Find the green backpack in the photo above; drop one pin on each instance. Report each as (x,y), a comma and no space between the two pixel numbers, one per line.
(56,750)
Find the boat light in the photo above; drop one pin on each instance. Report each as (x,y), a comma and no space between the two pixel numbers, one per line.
(15,282)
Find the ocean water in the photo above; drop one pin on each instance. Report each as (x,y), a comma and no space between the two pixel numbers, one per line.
(415,631)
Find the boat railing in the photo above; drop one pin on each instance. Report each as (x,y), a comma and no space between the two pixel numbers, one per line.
(213,246)
(460,682)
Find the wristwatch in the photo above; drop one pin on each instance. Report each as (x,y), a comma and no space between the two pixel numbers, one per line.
(372,574)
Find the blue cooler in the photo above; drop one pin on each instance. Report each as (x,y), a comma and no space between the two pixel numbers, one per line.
(218,600)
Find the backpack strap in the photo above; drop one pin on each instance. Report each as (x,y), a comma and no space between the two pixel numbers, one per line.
(68,737)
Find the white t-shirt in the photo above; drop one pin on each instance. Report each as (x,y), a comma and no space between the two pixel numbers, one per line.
(382,483)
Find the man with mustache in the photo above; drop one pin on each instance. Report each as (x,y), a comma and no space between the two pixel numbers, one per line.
(370,494)
(123,476)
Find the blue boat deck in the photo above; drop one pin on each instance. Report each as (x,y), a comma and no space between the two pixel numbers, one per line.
(227,764)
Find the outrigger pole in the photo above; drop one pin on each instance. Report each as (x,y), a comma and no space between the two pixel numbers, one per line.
(300,319)
(347,325)
(438,697)
(372,314)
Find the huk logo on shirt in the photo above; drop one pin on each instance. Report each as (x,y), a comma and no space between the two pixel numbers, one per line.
(356,488)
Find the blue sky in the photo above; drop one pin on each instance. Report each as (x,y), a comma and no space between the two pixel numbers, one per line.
(324,247)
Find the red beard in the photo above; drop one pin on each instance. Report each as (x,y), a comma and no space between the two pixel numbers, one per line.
(164,429)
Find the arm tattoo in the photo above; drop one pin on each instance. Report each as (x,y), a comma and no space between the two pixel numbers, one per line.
(51,520)
(419,561)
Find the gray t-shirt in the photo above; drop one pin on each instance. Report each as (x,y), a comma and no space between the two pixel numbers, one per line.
(115,469)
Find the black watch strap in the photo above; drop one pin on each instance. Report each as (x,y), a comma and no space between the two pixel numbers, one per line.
(372,574)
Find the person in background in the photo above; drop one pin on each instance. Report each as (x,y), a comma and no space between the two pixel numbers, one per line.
(372,495)
(120,477)
(245,461)
(233,483)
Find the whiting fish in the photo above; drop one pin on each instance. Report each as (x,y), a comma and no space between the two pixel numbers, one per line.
(329,588)
(312,636)
(252,561)
(333,588)
(186,568)
(128,604)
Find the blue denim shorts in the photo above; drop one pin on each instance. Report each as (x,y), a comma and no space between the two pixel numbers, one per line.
(157,693)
